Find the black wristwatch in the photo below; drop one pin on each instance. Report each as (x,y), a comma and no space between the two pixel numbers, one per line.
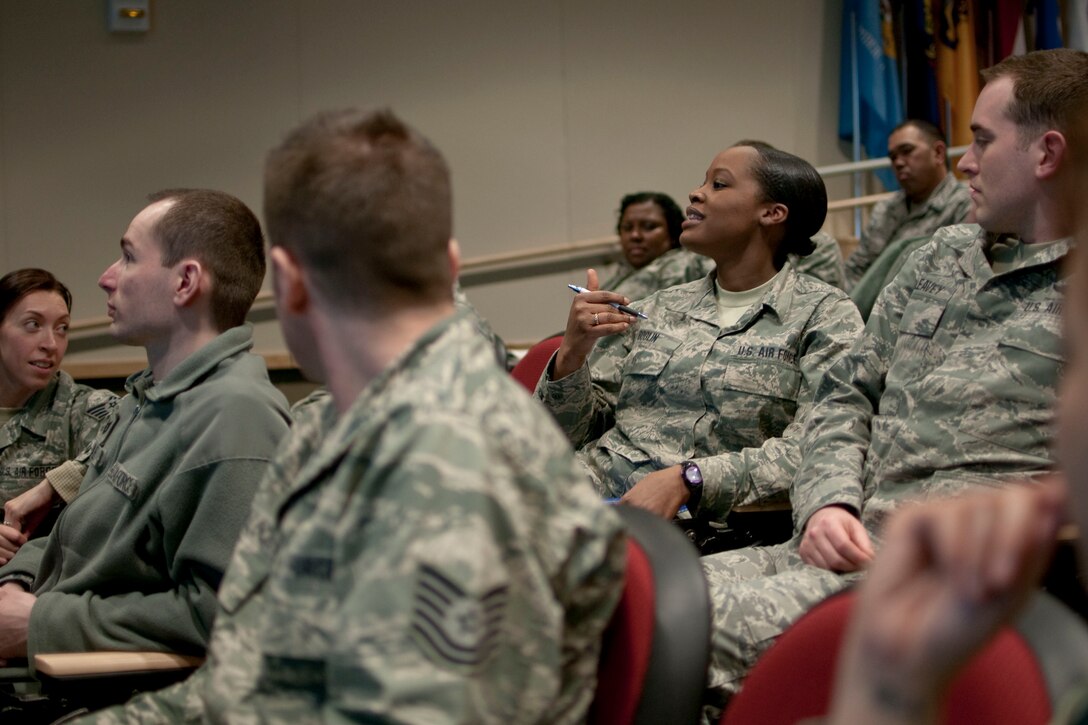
(693,482)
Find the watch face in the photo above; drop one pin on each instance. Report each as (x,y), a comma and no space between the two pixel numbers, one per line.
(692,474)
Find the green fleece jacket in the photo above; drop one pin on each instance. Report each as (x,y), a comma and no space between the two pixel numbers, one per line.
(134,561)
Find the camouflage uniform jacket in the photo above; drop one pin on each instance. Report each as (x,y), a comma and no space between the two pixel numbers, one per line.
(679,386)
(825,261)
(891,220)
(134,561)
(433,555)
(55,425)
(679,266)
(676,266)
(952,383)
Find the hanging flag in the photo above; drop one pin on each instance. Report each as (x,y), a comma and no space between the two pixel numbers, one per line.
(957,69)
(1075,24)
(920,57)
(868,36)
(1047,33)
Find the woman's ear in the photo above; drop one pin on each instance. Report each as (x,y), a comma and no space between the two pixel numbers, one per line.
(773,213)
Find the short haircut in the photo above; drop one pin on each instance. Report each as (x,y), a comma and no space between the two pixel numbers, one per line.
(1050,89)
(16,285)
(792,181)
(221,233)
(364,202)
(927,129)
(673,216)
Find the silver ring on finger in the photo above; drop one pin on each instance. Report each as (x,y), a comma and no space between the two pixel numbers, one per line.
(596,319)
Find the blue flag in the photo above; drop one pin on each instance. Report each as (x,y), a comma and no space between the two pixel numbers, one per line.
(1047,33)
(867,34)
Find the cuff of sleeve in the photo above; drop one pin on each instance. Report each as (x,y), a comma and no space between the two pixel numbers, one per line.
(65,479)
(25,580)
(553,391)
(719,488)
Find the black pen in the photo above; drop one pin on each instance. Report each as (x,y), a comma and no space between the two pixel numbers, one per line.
(622,308)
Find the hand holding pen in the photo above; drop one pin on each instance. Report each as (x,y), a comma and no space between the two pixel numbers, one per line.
(622,308)
(593,314)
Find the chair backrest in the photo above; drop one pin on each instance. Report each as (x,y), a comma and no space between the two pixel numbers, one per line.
(529,368)
(1017,678)
(657,647)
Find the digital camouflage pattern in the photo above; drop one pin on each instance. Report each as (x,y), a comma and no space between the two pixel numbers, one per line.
(891,220)
(55,425)
(678,386)
(952,385)
(825,262)
(679,266)
(433,555)
(676,266)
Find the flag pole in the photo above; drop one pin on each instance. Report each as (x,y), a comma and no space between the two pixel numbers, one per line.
(855,97)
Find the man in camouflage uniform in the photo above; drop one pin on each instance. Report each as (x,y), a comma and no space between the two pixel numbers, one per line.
(426,549)
(952,384)
(929,197)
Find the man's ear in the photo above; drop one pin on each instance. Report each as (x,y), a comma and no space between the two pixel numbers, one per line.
(192,279)
(940,150)
(1052,150)
(454,252)
(288,281)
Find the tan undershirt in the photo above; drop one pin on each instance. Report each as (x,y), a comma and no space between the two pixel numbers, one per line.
(732,305)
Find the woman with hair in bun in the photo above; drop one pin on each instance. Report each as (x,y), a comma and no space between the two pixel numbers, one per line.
(45,417)
(701,402)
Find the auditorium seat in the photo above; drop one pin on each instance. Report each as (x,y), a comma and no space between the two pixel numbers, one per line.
(1017,679)
(657,647)
(529,368)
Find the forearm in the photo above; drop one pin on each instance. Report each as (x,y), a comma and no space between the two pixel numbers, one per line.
(177,620)
(583,412)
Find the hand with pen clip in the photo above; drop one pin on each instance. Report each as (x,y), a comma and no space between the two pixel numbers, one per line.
(593,314)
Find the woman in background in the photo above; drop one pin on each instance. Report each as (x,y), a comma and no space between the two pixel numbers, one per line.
(649,230)
(45,417)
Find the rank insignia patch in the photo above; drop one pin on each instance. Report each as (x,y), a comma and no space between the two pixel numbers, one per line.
(452,627)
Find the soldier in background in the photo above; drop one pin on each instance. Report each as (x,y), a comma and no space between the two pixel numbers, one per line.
(929,197)
(426,549)
(47,418)
(953,382)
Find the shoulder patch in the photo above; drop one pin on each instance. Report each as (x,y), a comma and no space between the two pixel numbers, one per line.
(101,409)
(453,627)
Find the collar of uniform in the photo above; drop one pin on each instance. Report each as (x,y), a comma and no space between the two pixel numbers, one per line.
(193,368)
(339,431)
(974,262)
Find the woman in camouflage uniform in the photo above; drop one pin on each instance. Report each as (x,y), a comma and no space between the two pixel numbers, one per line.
(716,382)
(45,417)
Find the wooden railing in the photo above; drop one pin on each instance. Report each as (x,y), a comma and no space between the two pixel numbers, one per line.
(91,333)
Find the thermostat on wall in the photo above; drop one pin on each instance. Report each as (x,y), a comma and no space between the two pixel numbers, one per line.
(128,16)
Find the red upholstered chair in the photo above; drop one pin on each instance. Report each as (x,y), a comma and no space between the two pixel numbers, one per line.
(1016,679)
(657,646)
(529,368)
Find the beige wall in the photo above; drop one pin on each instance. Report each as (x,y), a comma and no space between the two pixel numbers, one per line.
(548,112)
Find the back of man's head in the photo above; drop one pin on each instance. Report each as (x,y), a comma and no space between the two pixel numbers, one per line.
(1050,89)
(221,233)
(363,202)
